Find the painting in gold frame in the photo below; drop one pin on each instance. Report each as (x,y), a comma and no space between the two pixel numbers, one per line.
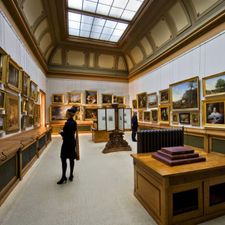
(14,76)
(164,114)
(2,99)
(12,113)
(74,98)
(134,103)
(152,100)
(140,115)
(33,90)
(185,118)
(2,123)
(25,84)
(164,96)
(154,116)
(147,116)
(4,58)
(30,108)
(195,119)
(24,106)
(58,112)
(107,99)
(58,98)
(142,100)
(37,114)
(91,97)
(214,113)
(90,113)
(175,118)
(185,95)
(214,85)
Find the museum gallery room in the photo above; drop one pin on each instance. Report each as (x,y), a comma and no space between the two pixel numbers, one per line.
(112,112)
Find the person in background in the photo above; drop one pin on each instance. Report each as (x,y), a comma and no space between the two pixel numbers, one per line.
(68,145)
(134,126)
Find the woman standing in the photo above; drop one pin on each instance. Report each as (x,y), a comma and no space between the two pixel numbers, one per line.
(69,145)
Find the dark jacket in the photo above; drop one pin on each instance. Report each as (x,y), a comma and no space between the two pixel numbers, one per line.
(134,123)
(69,142)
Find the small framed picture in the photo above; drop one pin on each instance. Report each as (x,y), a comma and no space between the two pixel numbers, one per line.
(140,115)
(119,99)
(2,122)
(195,119)
(147,116)
(134,104)
(2,99)
(175,118)
(74,98)
(91,114)
(91,97)
(25,84)
(164,114)
(142,100)
(185,118)
(107,99)
(152,100)
(24,106)
(58,98)
(4,61)
(33,90)
(154,115)
(164,96)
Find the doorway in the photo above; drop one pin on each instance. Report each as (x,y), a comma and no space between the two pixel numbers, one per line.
(42,108)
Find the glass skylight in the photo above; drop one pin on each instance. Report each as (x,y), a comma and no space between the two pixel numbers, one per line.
(84,18)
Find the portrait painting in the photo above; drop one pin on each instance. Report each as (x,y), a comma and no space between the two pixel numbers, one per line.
(25,84)
(134,104)
(24,106)
(33,90)
(91,97)
(152,100)
(214,85)
(195,119)
(154,115)
(142,100)
(164,96)
(175,118)
(91,113)
(14,76)
(164,114)
(58,112)
(107,98)
(119,99)
(58,98)
(2,122)
(2,99)
(185,94)
(74,98)
(147,116)
(215,113)
(140,115)
(12,113)
(184,118)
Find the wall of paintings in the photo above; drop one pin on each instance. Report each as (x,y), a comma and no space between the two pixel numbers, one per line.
(187,91)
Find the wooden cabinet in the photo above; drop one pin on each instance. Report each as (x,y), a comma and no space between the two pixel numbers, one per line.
(185,194)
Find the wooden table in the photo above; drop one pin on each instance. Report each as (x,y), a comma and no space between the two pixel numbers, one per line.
(185,194)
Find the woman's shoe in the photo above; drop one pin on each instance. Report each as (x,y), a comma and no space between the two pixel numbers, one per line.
(62,180)
(71,178)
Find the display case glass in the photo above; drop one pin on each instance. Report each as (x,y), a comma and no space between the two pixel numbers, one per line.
(101,119)
(110,115)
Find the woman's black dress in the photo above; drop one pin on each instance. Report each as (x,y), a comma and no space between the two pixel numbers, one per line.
(69,141)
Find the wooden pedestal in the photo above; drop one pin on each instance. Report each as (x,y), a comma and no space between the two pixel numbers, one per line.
(100,136)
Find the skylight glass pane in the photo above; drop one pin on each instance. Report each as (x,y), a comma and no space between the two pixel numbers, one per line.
(95,35)
(118,32)
(74,32)
(99,22)
(134,5)
(105,37)
(110,24)
(74,25)
(114,38)
(107,30)
(121,26)
(75,4)
(128,15)
(103,9)
(115,12)
(97,29)
(74,16)
(87,19)
(85,26)
(89,6)
(120,3)
(106,2)
(84,33)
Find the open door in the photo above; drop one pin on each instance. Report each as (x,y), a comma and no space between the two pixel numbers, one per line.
(42,108)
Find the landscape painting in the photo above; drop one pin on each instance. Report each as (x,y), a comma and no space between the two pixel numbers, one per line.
(58,112)
(33,90)
(214,85)
(152,100)
(185,94)
(74,98)
(184,118)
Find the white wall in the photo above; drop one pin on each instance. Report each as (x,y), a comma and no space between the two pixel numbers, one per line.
(13,45)
(203,60)
(57,86)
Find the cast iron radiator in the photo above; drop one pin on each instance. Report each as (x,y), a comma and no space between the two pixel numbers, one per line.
(153,140)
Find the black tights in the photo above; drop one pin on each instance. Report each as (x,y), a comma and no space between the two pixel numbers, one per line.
(64,167)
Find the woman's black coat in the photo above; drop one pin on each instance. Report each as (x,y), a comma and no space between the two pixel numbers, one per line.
(69,141)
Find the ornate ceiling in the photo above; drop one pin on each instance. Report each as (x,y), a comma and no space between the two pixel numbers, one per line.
(159,28)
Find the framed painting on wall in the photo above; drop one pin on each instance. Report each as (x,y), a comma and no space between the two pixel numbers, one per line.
(74,98)
(214,85)
(25,84)
(58,112)
(12,113)
(142,100)
(154,116)
(14,76)
(213,112)
(90,114)
(185,118)
(164,96)
(2,99)
(119,99)
(140,115)
(164,114)
(33,90)
(147,116)
(91,97)
(152,100)
(2,123)
(30,108)
(195,119)
(134,104)
(107,99)
(4,58)
(185,94)
(37,116)
(58,98)
(175,118)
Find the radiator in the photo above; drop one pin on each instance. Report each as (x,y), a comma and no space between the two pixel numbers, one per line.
(153,140)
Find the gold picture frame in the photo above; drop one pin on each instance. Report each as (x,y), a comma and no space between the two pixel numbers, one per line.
(195,119)
(134,103)
(107,99)
(164,114)
(175,118)
(58,112)
(213,113)
(154,116)
(33,90)
(152,100)
(37,115)
(142,100)
(58,99)
(91,97)
(91,113)
(164,96)
(25,84)
(2,99)
(214,85)
(119,99)
(184,95)
(74,98)
(147,116)
(12,113)
(14,76)
(2,123)
(24,105)
(140,115)
(4,61)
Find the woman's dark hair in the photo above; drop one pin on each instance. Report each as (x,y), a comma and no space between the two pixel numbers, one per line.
(72,110)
